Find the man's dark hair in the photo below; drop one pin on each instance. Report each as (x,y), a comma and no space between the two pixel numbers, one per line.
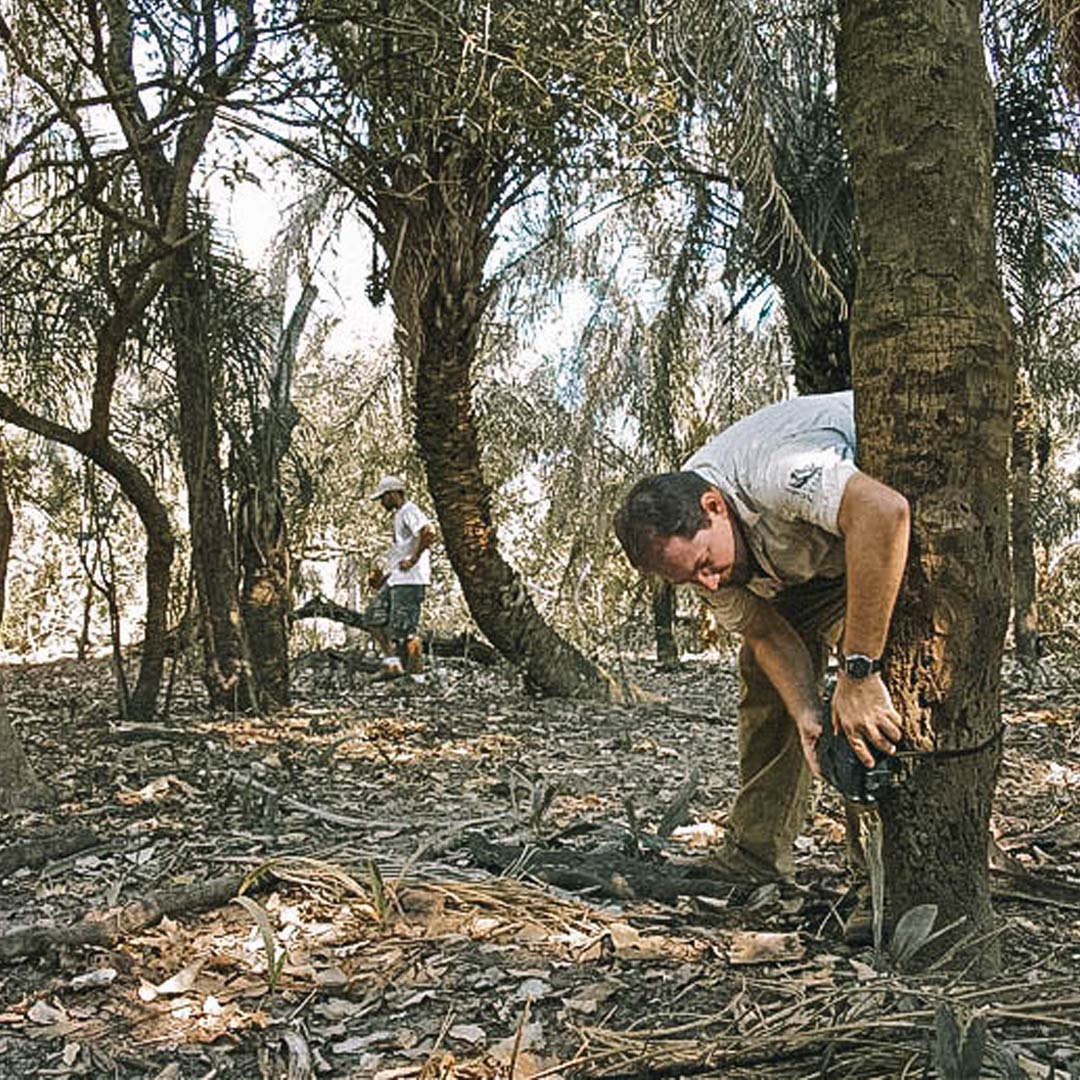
(657,508)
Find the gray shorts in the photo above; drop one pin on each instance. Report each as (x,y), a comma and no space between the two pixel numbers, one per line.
(395,609)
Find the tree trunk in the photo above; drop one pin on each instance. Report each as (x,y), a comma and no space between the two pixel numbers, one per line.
(932,370)
(265,586)
(685,280)
(160,548)
(819,343)
(265,596)
(663,611)
(217,62)
(226,671)
(19,785)
(816,322)
(439,300)
(160,544)
(1025,611)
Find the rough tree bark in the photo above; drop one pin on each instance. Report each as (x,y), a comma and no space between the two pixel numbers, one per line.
(226,668)
(933,377)
(265,586)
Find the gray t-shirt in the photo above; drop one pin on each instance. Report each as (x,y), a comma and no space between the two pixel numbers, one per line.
(784,468)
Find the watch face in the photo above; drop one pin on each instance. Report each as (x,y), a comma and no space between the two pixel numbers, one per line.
(858,667)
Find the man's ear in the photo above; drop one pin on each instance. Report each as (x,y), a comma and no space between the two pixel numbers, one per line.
(712,502)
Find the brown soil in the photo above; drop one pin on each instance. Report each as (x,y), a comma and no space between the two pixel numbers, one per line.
(394,954)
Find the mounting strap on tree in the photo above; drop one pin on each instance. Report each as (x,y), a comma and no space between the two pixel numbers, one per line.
(958,752)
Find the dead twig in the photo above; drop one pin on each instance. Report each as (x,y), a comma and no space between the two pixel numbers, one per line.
(331,816)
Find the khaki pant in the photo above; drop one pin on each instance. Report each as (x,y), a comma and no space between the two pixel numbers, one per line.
(772,802)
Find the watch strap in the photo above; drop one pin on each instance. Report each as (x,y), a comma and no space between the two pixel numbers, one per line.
(860,666)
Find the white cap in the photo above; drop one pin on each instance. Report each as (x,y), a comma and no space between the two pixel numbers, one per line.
(388,483)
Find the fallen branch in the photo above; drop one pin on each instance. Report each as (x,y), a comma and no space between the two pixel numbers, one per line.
(1034,888)
(330,816)
(599,873)
(464,645)
(106,928)
(35,852)
(1010,879)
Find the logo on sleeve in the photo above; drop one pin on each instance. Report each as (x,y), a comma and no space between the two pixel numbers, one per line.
(804,481)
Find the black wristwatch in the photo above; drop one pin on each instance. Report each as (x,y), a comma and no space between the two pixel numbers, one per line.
(858,666)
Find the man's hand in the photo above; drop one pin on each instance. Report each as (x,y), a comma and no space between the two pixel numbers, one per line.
(863,712)
(407,564)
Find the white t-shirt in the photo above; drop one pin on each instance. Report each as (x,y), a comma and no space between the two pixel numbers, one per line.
(784,468)
(409,519)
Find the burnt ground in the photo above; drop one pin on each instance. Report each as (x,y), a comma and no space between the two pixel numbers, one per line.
(371,942)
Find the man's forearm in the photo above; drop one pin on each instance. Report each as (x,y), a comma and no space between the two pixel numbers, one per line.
(875,522)
(423,541)
(783,657)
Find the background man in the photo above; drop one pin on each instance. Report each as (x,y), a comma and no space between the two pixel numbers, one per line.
(773,523)
(393,616)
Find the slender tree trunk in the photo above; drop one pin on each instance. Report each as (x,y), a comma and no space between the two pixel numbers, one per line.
(1025,611)
(932,370)
(19,784)
(265,586)
(226,670)
(687,275)
(440,299)
(663,612)
(160,548)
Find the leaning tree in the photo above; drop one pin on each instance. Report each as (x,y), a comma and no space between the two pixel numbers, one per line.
(79,278)
(457,113)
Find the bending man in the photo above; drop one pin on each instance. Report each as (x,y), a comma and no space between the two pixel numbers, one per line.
(797,551)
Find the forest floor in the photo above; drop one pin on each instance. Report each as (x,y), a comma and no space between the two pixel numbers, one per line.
(374,939)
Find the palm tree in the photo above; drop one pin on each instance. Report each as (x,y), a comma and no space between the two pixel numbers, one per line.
(460,110)
(933,376)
